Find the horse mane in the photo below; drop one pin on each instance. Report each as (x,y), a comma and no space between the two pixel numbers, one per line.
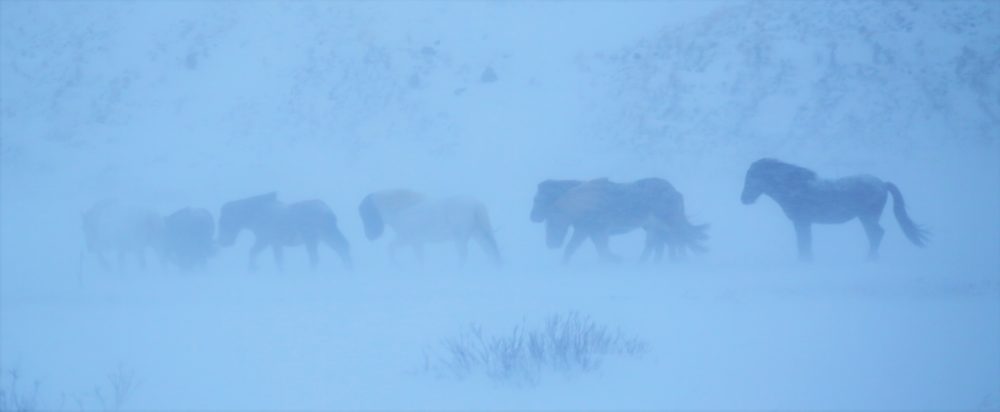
(269,197)
(546,193)
(587,196)
(653,182)
(557,187)
(374,206)
(238,213)
(779,169)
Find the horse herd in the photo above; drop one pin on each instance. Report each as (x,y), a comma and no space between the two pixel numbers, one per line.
(595,210)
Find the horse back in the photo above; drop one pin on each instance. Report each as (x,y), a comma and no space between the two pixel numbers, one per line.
(440,220)
(188,236)
(190,225)
(836,200)
(313,213)
(856,188)
(392,201)
(586,200)
(112,225)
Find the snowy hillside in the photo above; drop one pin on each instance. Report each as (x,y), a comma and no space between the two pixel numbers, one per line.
(888,76)
(175,104)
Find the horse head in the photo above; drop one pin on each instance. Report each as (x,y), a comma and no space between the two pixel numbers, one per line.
(371,217)
(752,185)
(547,194)
(239,214)
(189,236)
(771,176)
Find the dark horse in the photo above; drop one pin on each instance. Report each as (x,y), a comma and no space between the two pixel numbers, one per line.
(599,208)
(807,199)
(277,225)
(188,237)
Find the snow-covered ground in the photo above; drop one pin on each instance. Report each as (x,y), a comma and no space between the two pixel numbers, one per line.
(719,337)
(194,104)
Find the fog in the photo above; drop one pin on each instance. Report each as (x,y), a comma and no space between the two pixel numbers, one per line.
(167,105)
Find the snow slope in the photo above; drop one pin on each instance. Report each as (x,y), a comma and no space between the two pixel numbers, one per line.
(836,76)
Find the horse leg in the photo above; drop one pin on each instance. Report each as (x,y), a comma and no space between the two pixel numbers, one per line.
(650,246)
(601,243)
(337,242)
(657,248)
(394,251)
(875,233)
(574,243)
(489,246)
(418,251)
(803,233)
(140,255)
(311,246)
(121,260)
(462,246)
(279,257)
(676,251)
(646,252)
(254,251)
(104,261)
(668,240)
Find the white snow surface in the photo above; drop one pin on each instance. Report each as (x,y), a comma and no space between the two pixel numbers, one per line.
(173,104)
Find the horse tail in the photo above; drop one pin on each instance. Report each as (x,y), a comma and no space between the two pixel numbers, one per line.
(684,233)
(917,234)
(371,216)
(693,236)
(79,267)
(485,231)
(340,245)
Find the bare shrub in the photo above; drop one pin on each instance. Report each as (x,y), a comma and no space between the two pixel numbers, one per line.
(15,398)
(122,383)
(566,344)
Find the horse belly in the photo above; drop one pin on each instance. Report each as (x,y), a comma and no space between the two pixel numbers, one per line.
(840,200)
(621,230)
(832,219)
(427,227)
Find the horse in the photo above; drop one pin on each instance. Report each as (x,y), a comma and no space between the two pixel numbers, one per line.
(188,237)
(417,220)
(112,226)
(806,199)
(277,225)
(600,208)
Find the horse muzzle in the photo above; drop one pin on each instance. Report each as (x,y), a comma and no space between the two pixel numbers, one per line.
(537,217)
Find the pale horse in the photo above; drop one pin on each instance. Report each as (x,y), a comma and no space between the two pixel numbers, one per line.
(125,230)
(417,220)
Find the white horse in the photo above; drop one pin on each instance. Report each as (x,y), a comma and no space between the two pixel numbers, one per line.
(417,220)
(111,226)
